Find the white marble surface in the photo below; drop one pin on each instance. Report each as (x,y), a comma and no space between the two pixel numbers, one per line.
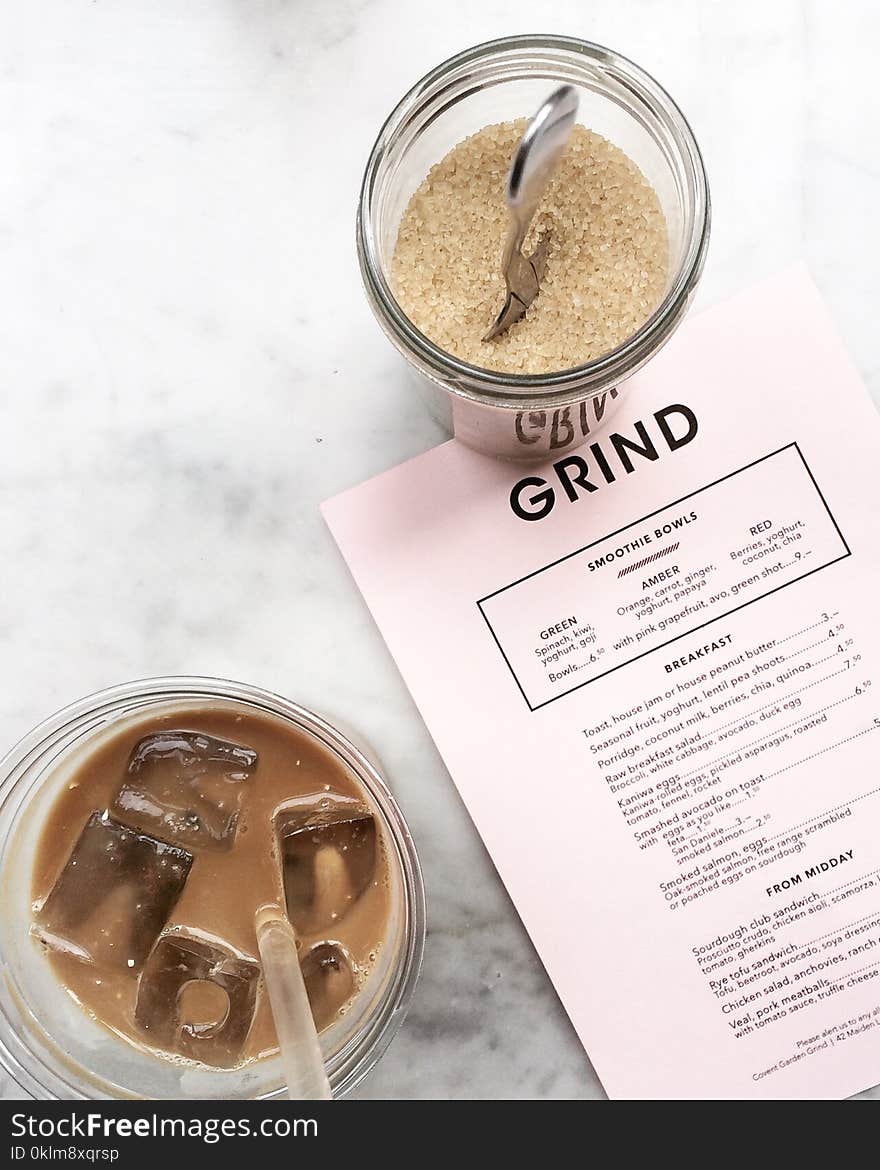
(188,367)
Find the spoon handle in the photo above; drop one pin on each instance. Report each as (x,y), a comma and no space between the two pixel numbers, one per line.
(538,153)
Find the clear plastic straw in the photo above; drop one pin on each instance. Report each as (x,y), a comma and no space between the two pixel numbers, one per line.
(297,1037)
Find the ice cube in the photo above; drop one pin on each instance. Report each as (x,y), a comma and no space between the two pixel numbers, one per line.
(186,787)
(197,998)
(328,850)
(330,981)
(114,895)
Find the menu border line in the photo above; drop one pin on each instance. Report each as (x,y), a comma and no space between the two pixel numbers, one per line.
(608,536)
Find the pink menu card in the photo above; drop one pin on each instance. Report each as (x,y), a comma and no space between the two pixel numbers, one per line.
(653,671)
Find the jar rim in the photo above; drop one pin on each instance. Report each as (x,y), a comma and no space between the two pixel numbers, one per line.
(359,1053)
(520,391)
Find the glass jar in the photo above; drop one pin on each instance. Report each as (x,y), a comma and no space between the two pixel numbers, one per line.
(48,1044)
(531,417)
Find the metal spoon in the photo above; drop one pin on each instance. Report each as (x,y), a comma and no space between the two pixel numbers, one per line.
(533,164)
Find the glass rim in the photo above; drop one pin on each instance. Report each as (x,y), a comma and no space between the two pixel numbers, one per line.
(23,1062)
(526,390)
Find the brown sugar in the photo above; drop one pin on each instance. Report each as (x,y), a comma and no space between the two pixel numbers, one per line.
(606,268)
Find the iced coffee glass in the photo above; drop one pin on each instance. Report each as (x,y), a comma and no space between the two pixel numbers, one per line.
(49,1044)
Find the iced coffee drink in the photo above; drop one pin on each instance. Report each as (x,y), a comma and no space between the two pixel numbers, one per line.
(163,844)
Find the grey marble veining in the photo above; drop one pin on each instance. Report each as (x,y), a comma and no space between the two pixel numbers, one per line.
(188,367)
